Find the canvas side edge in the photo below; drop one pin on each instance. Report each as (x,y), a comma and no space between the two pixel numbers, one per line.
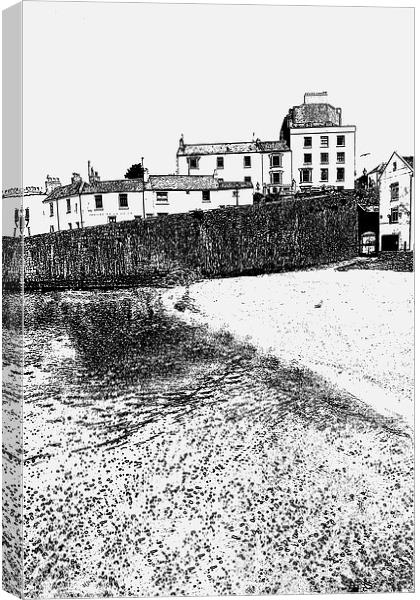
(12,332)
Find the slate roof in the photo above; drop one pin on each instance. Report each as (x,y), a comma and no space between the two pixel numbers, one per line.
(233,148)
(192,183)
(234,185)
(116,185)
(182,182)
(155,183)
(409,160)
(378,169)
(99,187)
(64,191)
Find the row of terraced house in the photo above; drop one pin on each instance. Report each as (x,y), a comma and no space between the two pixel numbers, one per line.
(314,150)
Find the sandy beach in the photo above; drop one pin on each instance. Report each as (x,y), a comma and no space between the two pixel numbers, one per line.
(164,457)
(354,328)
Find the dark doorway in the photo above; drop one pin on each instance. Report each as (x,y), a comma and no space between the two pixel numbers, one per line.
(389,243)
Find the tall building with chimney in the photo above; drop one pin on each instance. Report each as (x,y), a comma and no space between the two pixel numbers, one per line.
(322,148)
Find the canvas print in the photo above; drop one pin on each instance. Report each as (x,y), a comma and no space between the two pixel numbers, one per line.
(208,287)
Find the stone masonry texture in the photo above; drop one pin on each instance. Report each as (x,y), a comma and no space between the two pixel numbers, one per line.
(291,234)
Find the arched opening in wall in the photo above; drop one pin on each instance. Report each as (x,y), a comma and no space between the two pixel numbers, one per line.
(389,243)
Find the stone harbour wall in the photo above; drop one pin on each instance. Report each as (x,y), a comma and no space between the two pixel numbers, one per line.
(291,234)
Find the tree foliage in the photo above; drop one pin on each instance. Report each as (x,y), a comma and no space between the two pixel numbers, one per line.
(135,172)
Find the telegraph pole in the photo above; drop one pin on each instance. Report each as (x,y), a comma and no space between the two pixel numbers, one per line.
(142,179)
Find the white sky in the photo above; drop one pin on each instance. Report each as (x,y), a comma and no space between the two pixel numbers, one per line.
(115,82)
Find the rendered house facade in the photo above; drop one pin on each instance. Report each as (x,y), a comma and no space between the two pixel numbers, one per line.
(322,148)
(82,204)
(396,204)
(170,194)
(264,164)
(23,211)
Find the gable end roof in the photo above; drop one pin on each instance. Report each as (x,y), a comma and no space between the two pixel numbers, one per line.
(404,160)
(65,191)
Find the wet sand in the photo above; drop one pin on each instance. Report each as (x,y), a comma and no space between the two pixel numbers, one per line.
(355,328)
(162,458)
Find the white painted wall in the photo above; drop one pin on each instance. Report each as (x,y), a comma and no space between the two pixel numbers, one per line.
(298,150)
(234,169)
(38,223)
(180,201)
(91,215)
(94,216)
(401,175)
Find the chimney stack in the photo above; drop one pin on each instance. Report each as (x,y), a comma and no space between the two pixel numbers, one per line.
(93,175)
(76,178)
(51,183)
(181,143)
(316,98)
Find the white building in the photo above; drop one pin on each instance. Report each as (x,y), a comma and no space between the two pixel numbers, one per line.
(23,211)
(169,194)
(267,165)
(322,148)
(81,204)
(396,204)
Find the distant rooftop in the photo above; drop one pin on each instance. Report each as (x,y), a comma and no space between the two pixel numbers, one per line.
(27,191)
(409,160)
(378,169)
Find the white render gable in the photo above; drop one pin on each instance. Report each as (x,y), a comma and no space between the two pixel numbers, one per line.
(396,204)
